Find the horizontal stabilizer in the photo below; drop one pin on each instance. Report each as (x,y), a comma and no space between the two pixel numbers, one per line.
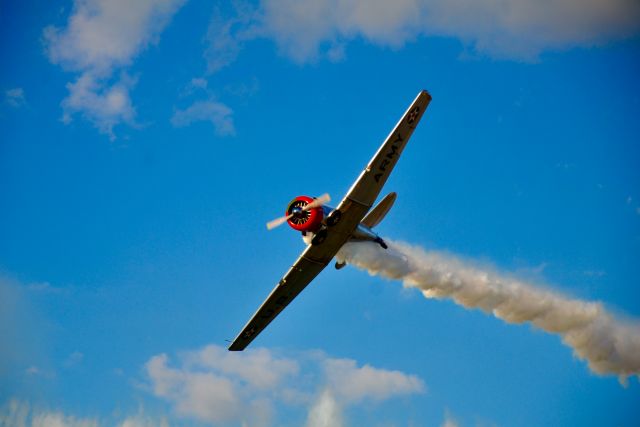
(377,214)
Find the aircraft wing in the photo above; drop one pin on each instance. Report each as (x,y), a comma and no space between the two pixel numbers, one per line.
(303,271)
(353,208)
(368,185)
(311,262)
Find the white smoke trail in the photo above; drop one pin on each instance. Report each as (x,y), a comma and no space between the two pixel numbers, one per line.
(608,345)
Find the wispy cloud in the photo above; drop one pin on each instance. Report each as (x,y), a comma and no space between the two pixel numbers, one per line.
(199,83)
(142,420)
(226,35)
(74,359)
(306,30)
(449,421)
(100,37)
(15,97)
(21,333)
(105,105)
(325,412)
(217,386)
(45,288)
(17,413)
(219,114)
(41,374)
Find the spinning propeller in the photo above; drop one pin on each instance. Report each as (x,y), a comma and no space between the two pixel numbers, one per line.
(319,201)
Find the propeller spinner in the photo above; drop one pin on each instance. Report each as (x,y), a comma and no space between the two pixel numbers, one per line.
(299,212)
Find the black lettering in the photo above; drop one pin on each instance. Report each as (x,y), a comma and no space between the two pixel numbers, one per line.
(384,164)
(413,114)
(393,152)
(267,314)
(377,177)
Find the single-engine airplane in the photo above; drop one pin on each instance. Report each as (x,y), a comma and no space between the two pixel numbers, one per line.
(325,229)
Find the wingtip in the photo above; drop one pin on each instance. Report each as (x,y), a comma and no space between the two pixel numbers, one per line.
(235,347)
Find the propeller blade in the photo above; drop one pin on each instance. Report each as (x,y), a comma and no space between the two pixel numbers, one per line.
(278,222)
(318,202)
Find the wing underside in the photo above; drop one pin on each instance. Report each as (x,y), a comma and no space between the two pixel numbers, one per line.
(296,279)
(368,185)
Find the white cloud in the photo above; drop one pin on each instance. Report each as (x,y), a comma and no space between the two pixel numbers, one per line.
(449,421)
(100,37)
(102,104)
(325,412)
(225,37)
(15,97)
(58,419)
(35,371)
(353,384)
(141,420)
(257,368)
(103,34)
(199,83)
(305,30)
(208,394)
(524,28)
(217,386)
(22,332)
(16,413)
(301,27)
(214,386)
(215,112)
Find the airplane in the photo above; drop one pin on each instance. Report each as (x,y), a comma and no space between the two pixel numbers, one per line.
(326,230)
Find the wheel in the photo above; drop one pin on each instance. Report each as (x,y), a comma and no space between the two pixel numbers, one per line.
(319,237)
(334,218)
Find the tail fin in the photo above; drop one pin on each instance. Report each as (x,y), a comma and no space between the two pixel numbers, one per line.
(376,214)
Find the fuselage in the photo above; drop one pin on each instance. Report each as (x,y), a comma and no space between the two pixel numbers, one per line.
(311,221)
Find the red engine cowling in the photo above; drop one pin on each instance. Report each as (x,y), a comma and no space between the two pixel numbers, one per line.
(304,220)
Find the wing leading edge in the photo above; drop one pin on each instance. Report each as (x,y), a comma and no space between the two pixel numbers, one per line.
(353,208)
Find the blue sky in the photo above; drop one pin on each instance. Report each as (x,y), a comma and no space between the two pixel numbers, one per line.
(144,146)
